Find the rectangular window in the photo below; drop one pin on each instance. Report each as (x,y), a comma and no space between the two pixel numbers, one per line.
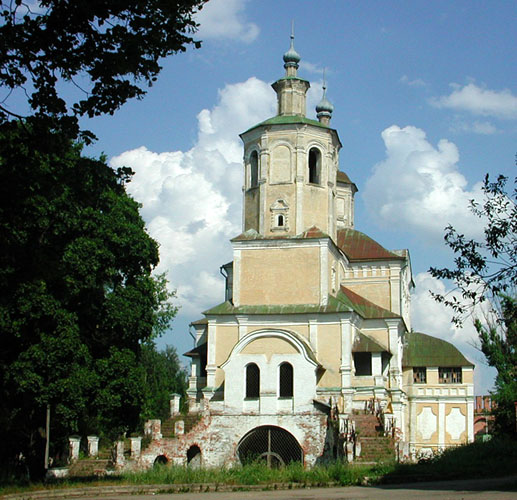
(449,375)
(363,363)
(419,375)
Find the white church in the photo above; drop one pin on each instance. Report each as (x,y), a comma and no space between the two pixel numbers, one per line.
(314,331)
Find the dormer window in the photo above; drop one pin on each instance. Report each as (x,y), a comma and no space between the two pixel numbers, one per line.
(314,166)
(253,169)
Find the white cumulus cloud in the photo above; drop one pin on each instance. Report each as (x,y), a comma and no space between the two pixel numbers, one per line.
(220,19)
(191,201)
(479,101)
(419,187)
(428,316)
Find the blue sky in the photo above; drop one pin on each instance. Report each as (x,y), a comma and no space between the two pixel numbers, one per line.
(425,103)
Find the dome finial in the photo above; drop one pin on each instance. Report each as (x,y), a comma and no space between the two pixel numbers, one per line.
(291,57)
(324,108)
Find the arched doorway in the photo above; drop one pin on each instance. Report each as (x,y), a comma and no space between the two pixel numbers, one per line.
(194,457)
(272,445)
(160,460)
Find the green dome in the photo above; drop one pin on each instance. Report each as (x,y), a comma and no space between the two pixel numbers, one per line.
(324,106)
(291,56)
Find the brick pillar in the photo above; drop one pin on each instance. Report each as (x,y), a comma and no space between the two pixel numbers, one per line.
(136,447)
(119,454)
(74,442)
(179,428)
(93,446)
(175,404)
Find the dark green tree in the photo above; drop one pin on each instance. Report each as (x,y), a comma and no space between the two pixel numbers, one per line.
(78,300)
(107,50)
(164,376)
(485,272)
(499,345)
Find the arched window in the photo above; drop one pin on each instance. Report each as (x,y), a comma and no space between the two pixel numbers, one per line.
(254,169)
(314,166)
(286,380)
(280,221)
(252,381)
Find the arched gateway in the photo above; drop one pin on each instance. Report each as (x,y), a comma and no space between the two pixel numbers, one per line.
(273,445)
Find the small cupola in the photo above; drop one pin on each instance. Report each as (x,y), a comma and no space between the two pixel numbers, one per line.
(291,90)
(324,108)
(291,58)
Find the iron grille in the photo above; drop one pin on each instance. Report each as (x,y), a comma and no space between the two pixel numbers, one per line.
(270,444)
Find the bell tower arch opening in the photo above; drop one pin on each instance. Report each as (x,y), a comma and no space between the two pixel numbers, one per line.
(314,166)
(253,169)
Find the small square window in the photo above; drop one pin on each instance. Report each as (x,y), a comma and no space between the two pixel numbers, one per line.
(420,375)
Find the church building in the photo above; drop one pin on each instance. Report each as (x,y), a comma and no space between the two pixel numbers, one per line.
(315,327)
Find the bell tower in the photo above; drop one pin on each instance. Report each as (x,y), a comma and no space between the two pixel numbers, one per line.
(291,163)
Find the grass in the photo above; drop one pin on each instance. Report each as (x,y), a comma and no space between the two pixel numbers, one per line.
(253,474)
(491,459)
(497,457)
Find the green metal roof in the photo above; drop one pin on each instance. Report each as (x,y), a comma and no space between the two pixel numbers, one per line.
(292,78)
(346,301)
(289,120)
(424,350)
(332,306)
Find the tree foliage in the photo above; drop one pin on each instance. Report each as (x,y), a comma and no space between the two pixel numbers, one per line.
(79,297)
(499,345)
(483,269)
(164,376)
(486,271)
(108,50)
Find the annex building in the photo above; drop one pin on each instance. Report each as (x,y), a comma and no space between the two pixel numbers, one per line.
(315,327)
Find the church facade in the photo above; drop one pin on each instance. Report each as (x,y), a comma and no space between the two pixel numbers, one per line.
(315,327)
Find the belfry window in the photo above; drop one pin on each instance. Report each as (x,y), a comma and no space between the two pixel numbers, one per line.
(252,381)
(280,221)
(254,169)
(286,380)
(314,166)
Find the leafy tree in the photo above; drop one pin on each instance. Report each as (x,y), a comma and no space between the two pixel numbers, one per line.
(486,271)
(79,297)
(163,375)
(107,50)
(499,344)
(483,269)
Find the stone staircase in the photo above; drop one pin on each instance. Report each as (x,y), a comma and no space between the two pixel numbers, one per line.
(190,421)
(92,467)
(375,447)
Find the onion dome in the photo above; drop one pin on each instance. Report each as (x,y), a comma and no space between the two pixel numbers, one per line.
(324,106)
(291,57)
